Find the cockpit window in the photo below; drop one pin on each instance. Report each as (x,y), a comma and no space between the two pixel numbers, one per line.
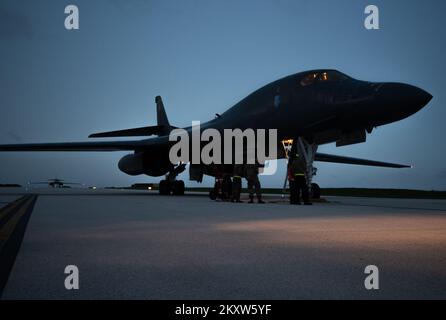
(325,76)
(332,76)
(309,79)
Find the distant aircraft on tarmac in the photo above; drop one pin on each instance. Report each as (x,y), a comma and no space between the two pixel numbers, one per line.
(55,183)
(308,109)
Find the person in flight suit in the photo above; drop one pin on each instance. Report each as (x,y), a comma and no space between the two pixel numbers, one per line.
(252,175)
(298,181)
(237,183)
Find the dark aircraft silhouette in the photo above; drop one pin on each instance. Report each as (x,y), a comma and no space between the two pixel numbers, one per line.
(308,108)
(55,183)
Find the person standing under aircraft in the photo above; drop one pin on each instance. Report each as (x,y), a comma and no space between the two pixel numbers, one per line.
(237,183)
(226,188)
(297,179)
(252,175)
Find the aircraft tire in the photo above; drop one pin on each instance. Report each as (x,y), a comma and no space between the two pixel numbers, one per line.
(315,191)
(212,195)
(178,188)
(164,188)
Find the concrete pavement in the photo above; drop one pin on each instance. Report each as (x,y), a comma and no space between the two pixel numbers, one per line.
(143,246)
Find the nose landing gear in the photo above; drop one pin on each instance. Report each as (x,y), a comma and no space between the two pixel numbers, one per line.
(306,151)
(315,191)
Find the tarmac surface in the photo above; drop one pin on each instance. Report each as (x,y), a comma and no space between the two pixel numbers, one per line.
(138,245)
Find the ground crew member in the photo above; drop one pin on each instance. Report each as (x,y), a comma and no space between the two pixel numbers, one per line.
(252,175)
(237,183)
(298,181)
(226,189)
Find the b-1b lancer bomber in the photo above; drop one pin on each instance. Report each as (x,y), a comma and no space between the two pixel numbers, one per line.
(308,109)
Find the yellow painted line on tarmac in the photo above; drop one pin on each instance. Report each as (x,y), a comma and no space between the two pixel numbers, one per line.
(12,231)
(8,228)
(11,206)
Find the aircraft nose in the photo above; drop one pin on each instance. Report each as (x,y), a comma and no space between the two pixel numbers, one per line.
(424,97)
(402,99)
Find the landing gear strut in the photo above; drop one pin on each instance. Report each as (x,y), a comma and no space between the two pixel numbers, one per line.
(306,151)
(172,186)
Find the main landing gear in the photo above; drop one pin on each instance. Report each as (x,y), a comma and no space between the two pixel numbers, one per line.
(222,189)
(175,187)
(172,186)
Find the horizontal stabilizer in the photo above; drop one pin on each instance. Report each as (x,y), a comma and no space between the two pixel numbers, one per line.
(135,132)
(163,127)
(323,157)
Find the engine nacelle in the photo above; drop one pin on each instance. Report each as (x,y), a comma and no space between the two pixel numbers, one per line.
(154,165)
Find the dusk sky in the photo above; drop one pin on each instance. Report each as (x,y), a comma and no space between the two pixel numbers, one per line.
(202,57)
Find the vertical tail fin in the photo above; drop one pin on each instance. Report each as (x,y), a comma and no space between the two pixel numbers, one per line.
(161,115)
(163,127)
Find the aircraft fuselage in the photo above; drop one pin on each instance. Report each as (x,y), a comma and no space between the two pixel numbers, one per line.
(324,109)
